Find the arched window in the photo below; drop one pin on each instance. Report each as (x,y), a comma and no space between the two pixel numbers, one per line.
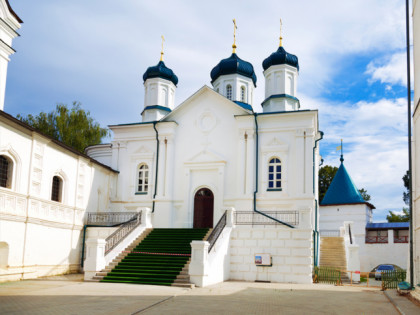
(229,92)
(57,189)
(243,94)
(274,174)
(142,179)
(6,171)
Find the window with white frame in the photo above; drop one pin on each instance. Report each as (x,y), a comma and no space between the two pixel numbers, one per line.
(6,171)
(243,94)
(57,189)
(142,179)
(274,174)
(229,92)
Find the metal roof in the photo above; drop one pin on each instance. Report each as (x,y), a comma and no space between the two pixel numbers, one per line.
(388,225)
(342,190)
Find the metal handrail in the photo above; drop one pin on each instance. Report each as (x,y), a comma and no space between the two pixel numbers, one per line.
(217,230)
(376,239)
(121,233)
(109,218)
(351,238)
(400,239)
(255,218)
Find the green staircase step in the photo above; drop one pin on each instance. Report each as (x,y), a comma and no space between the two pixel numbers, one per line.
(155,269)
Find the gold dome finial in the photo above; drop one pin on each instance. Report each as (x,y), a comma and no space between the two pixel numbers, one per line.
(281,38)
(234,36)
(161,53)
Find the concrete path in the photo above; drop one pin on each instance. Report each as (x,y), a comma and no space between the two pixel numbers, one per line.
(70,295)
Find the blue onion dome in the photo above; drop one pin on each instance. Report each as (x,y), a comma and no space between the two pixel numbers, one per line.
(160,71)
(281,57)
(233,65)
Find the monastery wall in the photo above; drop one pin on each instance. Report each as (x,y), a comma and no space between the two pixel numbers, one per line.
(290,250)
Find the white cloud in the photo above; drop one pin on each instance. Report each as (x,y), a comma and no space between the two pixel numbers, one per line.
(375,145)
(390,69)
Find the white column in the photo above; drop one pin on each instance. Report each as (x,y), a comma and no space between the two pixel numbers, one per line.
(170,168)
(250,178)
(95,257)
(198,269)
(162,167)
(241,167)
(298,181)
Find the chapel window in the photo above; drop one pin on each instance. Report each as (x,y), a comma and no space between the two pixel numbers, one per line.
(242,94)
(142,179)
(274,174)
(6,168)
(229,92)
(57,188)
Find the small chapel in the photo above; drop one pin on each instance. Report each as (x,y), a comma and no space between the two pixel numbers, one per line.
(192,194)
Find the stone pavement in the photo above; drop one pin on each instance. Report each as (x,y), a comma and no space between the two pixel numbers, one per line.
(70,295)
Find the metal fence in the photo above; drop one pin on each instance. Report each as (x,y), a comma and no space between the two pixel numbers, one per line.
(330,275)
(376,239)
(391,278)
(255,218)
(218,229)
(329,233)
(109,218)
(121,233)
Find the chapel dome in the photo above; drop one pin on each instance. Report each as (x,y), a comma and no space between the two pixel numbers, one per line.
(160,71)
(281,57)
(233,65)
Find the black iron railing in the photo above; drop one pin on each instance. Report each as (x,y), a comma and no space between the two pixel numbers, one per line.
(121,233)
(351,238)
(217,230)
(255,218)
(109,218)
(391,278)
(329,233)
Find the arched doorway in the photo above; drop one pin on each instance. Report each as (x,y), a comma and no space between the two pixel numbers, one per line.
(203,208)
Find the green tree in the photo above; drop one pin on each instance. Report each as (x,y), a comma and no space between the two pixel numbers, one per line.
(405,217)
(365,195)
(325,177)
(73,126)
(393,217)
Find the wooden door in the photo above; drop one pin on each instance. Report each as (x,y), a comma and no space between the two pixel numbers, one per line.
(203,208)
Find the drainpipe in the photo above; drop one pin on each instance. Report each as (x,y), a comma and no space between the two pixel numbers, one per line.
(157,165)
(316,232)
(256,178)
(410,180)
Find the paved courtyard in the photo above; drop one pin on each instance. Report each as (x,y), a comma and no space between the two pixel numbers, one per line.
(70,295)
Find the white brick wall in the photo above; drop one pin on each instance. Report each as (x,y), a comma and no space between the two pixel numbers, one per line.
(290,249)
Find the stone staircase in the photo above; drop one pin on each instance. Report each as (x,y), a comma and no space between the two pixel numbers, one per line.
(101,274)
(333,254)
(158,257)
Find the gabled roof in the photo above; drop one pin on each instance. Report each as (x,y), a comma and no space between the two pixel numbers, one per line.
(13,12)
(202,90)
(342,190)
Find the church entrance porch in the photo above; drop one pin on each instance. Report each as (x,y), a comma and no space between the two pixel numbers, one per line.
(203,208)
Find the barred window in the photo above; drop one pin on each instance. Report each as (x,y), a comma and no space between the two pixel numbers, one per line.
(274,173)
(6,168)
(242,94)
(143,179)
(57,187)
(229,92)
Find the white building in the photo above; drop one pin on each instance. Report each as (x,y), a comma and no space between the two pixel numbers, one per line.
(189,164)
(344,208)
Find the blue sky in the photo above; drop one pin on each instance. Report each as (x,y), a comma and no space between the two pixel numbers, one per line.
(351,56)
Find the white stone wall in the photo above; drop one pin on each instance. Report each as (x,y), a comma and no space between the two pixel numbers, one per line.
(43,237)
(416,141)
(290,250)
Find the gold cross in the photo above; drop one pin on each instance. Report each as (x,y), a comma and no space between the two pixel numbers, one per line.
(161,53)
(281,25)
(234,35)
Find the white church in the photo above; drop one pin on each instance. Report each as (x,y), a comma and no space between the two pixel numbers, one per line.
(244,182)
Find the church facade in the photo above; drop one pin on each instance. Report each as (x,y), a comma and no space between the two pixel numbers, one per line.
(186,165)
